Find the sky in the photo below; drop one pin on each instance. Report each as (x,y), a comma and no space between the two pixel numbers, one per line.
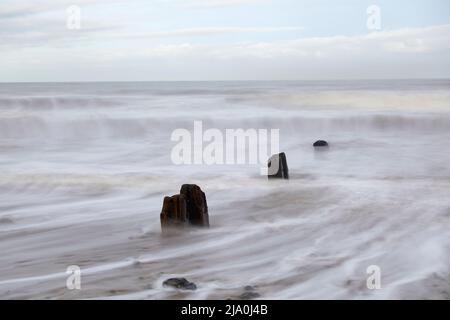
(202,40)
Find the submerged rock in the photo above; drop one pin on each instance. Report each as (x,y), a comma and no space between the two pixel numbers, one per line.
(278,167)
(185,209)
(6,220)
(179,283)
(320,143)
(249,295)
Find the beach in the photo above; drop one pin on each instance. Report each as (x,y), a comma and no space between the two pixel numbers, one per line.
(84,168)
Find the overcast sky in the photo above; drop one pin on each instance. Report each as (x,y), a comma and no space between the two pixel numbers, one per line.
(125,40)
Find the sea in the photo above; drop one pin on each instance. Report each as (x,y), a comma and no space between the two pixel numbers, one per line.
(84,169)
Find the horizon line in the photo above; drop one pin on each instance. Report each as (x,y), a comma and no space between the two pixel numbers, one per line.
(252,80)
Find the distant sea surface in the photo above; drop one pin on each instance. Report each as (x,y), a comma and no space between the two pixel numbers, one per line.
(84,168)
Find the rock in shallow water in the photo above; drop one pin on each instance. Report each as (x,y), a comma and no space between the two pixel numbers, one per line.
(249,288)
(320,143)
(6,220)
(249,295)
(179,283)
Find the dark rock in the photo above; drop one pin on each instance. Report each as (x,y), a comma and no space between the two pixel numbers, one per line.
(179,283)
(320,143)
(196,206)
(173,213)
(249,288)
(6,220)
(278,167)
(249,295)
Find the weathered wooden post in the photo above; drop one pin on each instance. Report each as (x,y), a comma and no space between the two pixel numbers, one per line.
(196,206)
(278,168)
(173,213)
(189,208)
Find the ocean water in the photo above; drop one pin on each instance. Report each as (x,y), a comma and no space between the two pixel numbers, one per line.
(84,169)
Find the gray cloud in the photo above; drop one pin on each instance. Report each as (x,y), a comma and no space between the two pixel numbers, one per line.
(13,9)
(405,53)
(208,31)
(35,44)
